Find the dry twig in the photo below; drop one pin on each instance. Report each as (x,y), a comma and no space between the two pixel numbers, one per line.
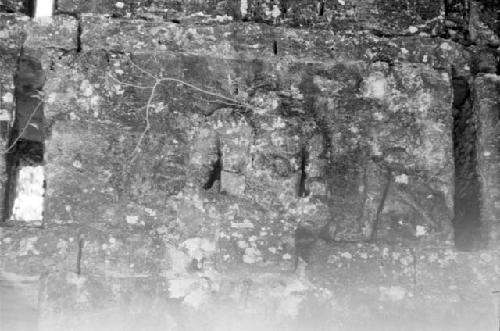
(162,80)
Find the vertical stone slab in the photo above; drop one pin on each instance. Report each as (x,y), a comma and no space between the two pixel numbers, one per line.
(10,47)
(487,105)
(7,67)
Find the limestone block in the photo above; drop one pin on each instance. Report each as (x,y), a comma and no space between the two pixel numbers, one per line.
(364,124)
(458,287)
(28,251)
(390,153)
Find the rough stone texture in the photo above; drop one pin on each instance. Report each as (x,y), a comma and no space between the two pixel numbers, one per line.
(397,287)
(380,142)
(262,302)
(32,251)
(181,157)
(10,47)
(237,40)
(13,6)
(483,23)
(487,106)
(59,32)
(270,112)
(382,16)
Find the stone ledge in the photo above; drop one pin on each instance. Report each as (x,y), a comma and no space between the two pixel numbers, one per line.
(259,41)
(387,16)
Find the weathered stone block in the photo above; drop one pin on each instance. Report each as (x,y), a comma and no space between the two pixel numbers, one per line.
(194,302)
(381,143)
(59,32)
(81,164)
(458,286)
(395,287)
(369,129)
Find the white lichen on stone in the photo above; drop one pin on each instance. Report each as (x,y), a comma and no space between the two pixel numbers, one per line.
(346,255)
(402,179)
(28,203)
(276,12)
(132,219)
(246,224)
(375,86)
(244,7)
(420,230)
(8,97)
(77,164)
(393,293)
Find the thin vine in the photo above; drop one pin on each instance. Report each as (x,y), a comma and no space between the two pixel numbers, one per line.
(38,96)
(220,98)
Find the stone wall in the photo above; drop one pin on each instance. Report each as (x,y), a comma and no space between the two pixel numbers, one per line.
(253,165)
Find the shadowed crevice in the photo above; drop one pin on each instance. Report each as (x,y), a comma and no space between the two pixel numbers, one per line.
(215,173)
(304,159)
(467,221)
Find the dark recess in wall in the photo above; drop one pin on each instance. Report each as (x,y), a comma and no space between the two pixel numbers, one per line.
(467,221)
(215,172)
(29,6)
(26,138)
(304,159)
